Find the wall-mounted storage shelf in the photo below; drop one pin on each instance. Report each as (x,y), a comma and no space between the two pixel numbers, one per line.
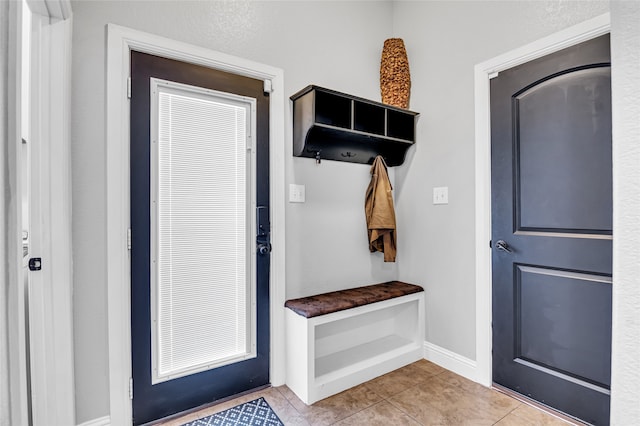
(330,125)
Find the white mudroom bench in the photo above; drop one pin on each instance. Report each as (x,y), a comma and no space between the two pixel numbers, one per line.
(341,339)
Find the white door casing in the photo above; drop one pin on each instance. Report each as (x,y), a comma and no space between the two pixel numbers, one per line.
(14,404)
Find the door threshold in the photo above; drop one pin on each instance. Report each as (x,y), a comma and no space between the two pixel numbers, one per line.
(535,404)
(206,406)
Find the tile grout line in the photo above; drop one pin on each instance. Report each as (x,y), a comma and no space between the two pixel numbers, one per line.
(514,409)
(292,406)
(400,408)
(354,413)
(365,408)
(388,399)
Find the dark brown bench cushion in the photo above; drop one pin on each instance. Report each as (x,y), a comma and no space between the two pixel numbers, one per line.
(326,303)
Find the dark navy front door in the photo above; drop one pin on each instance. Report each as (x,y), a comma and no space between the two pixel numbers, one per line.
(154,401)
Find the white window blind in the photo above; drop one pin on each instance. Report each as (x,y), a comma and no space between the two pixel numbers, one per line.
(201,230)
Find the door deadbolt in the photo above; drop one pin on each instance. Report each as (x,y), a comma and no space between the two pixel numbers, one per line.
(264,248)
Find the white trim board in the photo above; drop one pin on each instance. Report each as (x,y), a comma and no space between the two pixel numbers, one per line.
(120,41)
(50,290)
(17,398)
(41,354)
(483,73)
(450,360)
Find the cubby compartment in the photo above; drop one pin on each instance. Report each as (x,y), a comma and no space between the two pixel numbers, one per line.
(400,126)
(368,118)
(329,125)
(330,353)
(333,110)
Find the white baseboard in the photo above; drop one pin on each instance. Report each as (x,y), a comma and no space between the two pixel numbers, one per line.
(102,421)
(451,361)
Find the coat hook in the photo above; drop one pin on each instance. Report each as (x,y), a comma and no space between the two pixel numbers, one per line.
(317,157)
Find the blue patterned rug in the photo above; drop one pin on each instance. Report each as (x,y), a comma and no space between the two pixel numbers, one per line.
(252,413)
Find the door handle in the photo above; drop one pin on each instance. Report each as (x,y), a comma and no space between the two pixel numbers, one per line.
(263,237)
(502,245)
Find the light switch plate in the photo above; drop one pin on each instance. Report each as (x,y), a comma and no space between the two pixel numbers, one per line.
(296,193)
(441,195)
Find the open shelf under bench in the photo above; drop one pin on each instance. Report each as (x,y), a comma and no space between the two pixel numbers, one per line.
(338,340)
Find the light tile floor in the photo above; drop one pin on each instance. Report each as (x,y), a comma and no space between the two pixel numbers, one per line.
(421,393)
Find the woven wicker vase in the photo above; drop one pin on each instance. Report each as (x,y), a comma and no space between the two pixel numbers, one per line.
(395,79)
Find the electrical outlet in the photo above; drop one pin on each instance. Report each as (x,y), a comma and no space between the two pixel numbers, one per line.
(296,193)
(441,195)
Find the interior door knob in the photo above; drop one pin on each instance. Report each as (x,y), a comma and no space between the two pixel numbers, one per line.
(502,245)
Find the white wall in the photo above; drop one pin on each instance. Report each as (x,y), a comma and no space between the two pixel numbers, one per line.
(445,40)
(331,44)
(625,81)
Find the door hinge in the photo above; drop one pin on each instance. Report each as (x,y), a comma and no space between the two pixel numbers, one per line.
(489,243)
(129,88)
(131,388)
(129,238)
(268,86)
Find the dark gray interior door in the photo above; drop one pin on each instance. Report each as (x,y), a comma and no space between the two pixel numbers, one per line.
(551,184)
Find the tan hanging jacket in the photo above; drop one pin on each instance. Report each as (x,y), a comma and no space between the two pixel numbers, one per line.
(378,207)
